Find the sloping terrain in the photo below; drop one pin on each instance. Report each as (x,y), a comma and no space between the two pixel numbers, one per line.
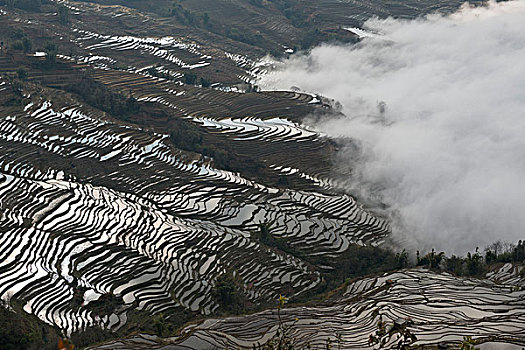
(96,207)
(143,177)
(103,216)
(438,309)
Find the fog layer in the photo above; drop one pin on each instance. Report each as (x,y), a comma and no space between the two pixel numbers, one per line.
(437,106)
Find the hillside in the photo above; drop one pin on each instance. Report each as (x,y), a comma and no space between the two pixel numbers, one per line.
(146,183)
(405,309)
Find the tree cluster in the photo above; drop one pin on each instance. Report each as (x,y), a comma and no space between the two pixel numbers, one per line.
(186,16)
(228,293)
(19,330)
(20,41)
(27,5)
(294,11)
(100,97)
(474,264)
(63,14)
(504,252)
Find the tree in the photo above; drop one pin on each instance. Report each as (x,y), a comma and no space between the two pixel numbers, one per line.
(402,259)
(227,292)
(431,260)
(63,14)
(400,329)
(474,263)
(51,54)
(21,73)
(205,82)
(496,247)
(265,235)
(190,78)
(27,45)
(160,325)
(27,5)
(519,251)
(468,344)
(455,265)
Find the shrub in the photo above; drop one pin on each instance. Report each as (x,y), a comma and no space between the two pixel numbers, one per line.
(21,73)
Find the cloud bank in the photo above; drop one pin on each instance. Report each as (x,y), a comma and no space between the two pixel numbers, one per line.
(437,106)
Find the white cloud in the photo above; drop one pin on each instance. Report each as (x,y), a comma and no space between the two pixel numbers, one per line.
(448,152)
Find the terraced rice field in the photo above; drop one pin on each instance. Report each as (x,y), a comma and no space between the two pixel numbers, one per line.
(94,209)
(168,49)
(355,13)
(438,309)
(93,206)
